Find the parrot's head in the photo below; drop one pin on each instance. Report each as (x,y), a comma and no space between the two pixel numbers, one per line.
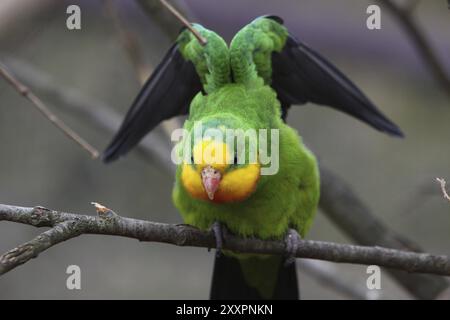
(220,169)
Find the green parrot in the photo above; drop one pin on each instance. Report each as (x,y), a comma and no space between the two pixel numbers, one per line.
(247,85)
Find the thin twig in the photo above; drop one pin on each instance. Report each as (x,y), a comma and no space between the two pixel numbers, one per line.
(25,92)
(340,203)
(99,114)
(444,191)
(68,225)
(420,41)
(184,21)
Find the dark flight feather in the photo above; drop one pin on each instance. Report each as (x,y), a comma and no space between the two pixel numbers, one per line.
(300,75)
(166,94)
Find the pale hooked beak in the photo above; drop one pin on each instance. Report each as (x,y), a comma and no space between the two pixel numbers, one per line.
(211,180)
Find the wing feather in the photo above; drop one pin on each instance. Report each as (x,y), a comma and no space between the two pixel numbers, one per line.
(300,75)
(167,93)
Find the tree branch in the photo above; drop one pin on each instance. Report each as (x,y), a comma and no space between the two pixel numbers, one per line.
(65,226)
(351,215)
(165,14)
(184,21)
(97,112)
(419,40)
(31,249)
(442,182)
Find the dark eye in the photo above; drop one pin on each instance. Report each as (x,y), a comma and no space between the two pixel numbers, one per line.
(235,160)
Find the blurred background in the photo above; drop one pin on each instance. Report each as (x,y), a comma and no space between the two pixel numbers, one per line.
(40,166)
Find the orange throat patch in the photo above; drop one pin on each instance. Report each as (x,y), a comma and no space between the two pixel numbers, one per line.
(236,185)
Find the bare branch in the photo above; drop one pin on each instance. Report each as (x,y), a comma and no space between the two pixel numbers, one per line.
(158,14)
(444,192)
(351,215)
(67,225)
(25,92)
(157,10)
(31,249)
(184,21)
(98,113)
(419,40)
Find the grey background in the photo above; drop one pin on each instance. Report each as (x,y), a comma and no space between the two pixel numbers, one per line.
(39,166)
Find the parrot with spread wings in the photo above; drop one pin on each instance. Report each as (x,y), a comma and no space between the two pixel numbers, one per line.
(249,84)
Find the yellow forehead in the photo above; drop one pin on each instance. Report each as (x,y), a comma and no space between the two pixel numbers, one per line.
(212,152)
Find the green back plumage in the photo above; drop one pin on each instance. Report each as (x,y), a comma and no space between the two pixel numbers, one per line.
(248,58)
(211,61)
(251,50)
(287,198)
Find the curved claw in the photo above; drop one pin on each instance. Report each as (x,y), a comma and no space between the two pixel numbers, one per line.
(218,230)
(292,241)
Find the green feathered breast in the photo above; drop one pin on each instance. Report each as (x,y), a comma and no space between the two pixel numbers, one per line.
(287,199)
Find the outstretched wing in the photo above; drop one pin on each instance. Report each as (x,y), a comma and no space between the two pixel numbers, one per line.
(167,93)
(300,75)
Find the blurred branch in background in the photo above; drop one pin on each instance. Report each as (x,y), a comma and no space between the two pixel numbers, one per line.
(404,16)
(129,42)
(64,226)
(329,277)
(45,111)
(349,213)
(98,113)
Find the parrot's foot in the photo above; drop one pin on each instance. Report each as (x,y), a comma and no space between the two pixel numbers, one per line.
(292,241)
(219,231)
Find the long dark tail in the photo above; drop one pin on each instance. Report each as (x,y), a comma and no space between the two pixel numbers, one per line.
(231,282)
